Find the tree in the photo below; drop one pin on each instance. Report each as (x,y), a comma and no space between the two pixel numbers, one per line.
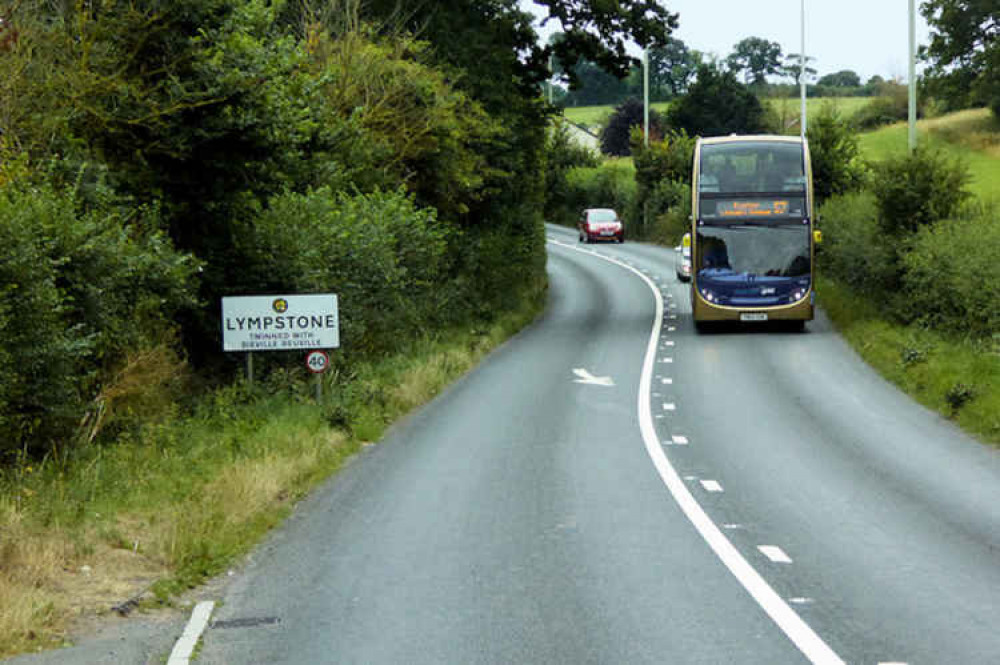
(755,58)
(715,105)
(595,87)
(845,78)
(836,159)
(628,114)
(599,31)
(792,66)
(671,69)
(964,53)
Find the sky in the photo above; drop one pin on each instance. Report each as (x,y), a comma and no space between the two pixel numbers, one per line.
(867,36)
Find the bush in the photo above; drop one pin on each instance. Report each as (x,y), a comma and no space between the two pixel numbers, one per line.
(836,163)
(616,137)
(918,189)
(663,177)
(562,154)
(952,274)
(83,291)
(385,258)
(715,105)
(673,199)
(880,111)
(854,249)
(611,185)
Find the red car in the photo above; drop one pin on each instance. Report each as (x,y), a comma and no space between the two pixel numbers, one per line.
(601,224)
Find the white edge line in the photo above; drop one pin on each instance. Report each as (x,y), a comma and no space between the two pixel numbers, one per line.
(181,654)
(798,631)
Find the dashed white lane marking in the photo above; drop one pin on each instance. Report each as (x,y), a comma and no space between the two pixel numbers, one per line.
(671,328)
(690,478)
(711,485)
(668,342)
(669,406)
(666,381)
(798,631)
(732,527)
(181,654)
(774,553)
(666,360)
(801,600)
(892,663)
(679,440)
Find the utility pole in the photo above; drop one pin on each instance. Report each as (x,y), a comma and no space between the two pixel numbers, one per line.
(802,71)
(645,126)
(549,83)
(645,95)
(912,139)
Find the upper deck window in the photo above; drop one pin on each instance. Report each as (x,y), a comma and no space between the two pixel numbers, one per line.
(752,167)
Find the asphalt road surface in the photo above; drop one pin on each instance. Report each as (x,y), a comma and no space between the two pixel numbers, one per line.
(612,487)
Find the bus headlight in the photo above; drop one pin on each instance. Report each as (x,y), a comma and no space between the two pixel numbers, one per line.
(797,295)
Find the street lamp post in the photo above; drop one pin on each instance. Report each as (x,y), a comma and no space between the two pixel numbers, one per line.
(645,96)
(912,134)
(802,71)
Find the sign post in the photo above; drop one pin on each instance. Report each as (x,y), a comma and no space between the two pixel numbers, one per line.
(282,323)
(317,362)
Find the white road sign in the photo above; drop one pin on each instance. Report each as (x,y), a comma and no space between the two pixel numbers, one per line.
(280,323)
(317,361)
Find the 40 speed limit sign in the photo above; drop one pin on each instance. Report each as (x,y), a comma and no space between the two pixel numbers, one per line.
(317,361)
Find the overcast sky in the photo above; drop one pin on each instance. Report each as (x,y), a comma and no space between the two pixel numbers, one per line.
(868,36)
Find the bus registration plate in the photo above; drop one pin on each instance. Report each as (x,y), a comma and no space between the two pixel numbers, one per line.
(753,316)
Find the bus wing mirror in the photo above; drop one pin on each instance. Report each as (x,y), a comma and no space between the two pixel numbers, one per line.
(817,236)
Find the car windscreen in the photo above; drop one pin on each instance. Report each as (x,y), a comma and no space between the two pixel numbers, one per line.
(772,250)
(602,216)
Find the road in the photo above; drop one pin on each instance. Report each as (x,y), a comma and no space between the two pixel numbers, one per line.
(611,487)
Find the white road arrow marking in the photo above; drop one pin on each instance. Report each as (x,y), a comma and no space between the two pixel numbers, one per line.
(586,377)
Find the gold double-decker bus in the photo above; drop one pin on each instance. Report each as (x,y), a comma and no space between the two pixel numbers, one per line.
(752,237)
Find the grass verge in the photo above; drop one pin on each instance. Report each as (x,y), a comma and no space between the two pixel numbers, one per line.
(958,378)
(972,135)
(161,511)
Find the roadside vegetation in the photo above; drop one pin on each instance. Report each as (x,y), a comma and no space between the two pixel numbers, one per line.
(152,162)
(910,263)
(177,501)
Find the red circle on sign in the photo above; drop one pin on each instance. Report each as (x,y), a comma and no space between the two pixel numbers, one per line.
(317,361)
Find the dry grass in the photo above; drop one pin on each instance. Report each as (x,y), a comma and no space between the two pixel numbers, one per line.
(975,129)
(182,501)
(50,576)
(53,576)
(422,382)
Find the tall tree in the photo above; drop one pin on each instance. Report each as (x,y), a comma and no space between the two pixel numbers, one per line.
(845,78)
(964,53)
(628,114)
(792,66)
(595,87)
(716,104)
(755,58)
(672,68)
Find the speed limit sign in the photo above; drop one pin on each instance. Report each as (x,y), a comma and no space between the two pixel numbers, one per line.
(317,361)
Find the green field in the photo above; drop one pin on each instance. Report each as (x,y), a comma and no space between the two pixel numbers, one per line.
(973,136)
(595,116)
(786,108)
